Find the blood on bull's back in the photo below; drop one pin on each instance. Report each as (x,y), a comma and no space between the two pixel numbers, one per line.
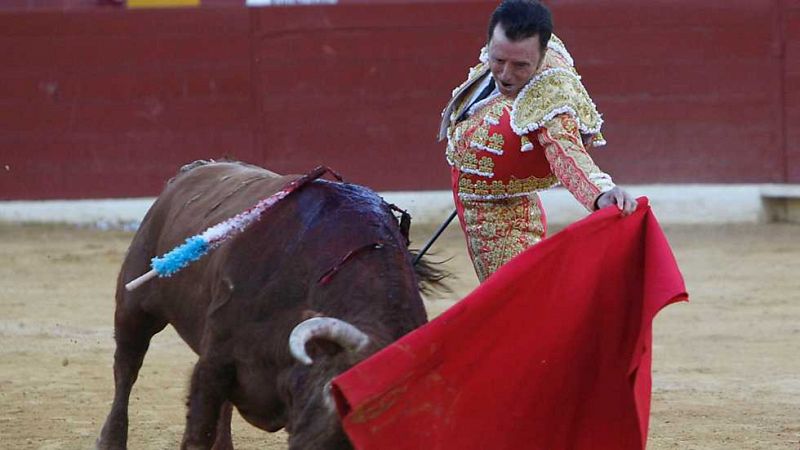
(327,265)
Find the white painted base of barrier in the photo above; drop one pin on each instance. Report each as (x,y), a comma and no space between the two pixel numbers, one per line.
(673,204)
(80,212)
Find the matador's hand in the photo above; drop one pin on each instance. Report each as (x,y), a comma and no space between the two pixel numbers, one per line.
(619,197)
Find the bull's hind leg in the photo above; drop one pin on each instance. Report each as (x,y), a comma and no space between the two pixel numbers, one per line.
(133,329)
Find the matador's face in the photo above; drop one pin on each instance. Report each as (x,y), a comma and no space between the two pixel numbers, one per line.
(513,63)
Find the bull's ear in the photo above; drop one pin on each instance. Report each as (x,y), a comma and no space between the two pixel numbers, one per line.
(222,292)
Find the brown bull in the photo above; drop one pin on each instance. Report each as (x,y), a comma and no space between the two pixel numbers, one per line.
(327,265)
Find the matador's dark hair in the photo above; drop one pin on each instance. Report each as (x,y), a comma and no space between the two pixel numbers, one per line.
(522,19)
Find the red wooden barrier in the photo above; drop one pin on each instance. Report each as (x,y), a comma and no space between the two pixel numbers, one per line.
(790,20)
(100,101)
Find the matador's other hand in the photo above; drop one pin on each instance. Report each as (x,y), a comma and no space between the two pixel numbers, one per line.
(619,197)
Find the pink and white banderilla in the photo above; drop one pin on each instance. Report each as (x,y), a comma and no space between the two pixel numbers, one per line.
(199,245)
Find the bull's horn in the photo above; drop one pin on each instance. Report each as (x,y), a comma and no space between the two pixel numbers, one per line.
(338,331)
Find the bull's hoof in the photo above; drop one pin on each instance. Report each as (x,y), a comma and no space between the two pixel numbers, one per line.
(113,435)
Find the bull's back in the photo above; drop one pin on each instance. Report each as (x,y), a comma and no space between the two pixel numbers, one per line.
(195,199)
(206,195)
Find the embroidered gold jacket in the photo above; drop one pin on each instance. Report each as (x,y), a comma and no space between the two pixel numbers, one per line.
(514,147)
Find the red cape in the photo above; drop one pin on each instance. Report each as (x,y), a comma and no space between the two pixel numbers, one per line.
(551,352)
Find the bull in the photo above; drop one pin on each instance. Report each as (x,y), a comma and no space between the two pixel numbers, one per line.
(327,269)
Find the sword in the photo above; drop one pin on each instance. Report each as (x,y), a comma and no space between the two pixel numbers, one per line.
(434,237)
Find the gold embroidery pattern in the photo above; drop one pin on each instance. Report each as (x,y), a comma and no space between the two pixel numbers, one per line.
(480,189)
(496,141)
(486,165)
(498,231)
(480,135)
(555,91)
(595,140)
(471,135)
(490,114)
(526,144)
(569,160)
(458,152)
(470,163)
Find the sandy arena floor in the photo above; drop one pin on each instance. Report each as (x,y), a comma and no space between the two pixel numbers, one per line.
(726,366)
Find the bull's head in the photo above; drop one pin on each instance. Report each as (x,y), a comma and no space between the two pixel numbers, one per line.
(313,422)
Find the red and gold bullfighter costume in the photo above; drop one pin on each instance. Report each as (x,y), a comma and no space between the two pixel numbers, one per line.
(503,151)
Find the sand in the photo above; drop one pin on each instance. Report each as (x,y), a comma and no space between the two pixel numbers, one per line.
(726,368)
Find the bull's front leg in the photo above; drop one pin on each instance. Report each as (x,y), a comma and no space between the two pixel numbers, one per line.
(208,393)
